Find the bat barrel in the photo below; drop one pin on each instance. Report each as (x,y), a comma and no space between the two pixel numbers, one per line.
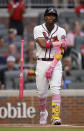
(21,81)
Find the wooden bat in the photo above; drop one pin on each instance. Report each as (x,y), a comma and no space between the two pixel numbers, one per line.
(21,79)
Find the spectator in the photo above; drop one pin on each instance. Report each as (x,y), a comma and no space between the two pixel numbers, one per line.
(82,26)
(16,9)
(65,3)
(28,52)
(3,45)
(67,63)
(58,3)
(40,3)
(3,48)
(32,57)
(12,50)
(71,36)
(82,54)
(80,9)
(13,38)
(32,66)
(72,3)
(66,27)
(10,67)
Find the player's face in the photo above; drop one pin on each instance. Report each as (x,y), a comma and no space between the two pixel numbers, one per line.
(10,64)
(49,18)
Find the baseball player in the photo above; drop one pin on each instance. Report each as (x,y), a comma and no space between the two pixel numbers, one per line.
(50,45)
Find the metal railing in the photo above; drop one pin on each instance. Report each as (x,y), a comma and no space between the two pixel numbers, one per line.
(3,3)
(42,3)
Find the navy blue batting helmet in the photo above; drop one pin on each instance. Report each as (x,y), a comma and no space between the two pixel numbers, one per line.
(51,10)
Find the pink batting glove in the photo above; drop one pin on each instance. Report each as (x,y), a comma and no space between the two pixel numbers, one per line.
(49,73)
(48,44)
(64,44)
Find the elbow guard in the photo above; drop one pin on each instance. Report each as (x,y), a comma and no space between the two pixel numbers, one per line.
(58,56)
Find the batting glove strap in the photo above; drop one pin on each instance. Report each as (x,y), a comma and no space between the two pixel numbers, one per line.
(48,44)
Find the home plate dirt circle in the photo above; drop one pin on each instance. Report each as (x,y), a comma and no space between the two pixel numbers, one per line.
(39,126)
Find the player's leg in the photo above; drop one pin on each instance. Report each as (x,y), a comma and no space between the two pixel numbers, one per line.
(42,88)
(55,84)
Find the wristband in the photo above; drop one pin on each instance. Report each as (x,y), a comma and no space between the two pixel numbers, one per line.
(64,45)
(48,44)
(56,44)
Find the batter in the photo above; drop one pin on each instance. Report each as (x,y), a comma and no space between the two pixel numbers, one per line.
(48,36)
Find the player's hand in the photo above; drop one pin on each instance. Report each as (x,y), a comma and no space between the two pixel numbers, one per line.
(49,73)
(63,44)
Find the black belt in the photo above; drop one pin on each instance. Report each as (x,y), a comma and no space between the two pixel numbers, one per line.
(46,59)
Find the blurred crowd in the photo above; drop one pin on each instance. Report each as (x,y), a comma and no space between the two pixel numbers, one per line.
(47,3)
(10,46)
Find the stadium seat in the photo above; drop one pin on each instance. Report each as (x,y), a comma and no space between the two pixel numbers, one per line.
(75,80)
(2,66)
(79,41)
(3,30)
(30,86)
(82,16)
(68,14)
(71,78)
(12,79)
(40,18)
(76,85)
(2,60)
(76,59)
(67,17)
(77,73)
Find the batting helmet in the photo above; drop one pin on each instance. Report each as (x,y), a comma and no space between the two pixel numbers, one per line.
(51,11)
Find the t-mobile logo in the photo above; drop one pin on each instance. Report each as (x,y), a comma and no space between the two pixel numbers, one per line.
(20,111)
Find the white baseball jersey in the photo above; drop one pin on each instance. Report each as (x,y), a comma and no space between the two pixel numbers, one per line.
(40,32)
(42,66)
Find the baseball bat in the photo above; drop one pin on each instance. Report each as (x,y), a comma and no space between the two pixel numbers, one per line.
(21,79)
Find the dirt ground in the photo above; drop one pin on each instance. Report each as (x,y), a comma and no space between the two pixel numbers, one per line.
(40,126)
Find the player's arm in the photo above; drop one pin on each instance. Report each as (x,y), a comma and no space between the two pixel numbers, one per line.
(39,37)
(23,7)
(10,8)
(60,51)
(41,42)
(58,55)
(48,44)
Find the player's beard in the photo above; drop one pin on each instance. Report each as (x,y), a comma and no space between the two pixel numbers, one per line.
(50,21)
(16,0)
(50,26)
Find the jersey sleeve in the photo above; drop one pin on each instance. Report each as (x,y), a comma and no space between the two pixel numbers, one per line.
(23,4)
(9,7)
(37,33)
(62,34)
